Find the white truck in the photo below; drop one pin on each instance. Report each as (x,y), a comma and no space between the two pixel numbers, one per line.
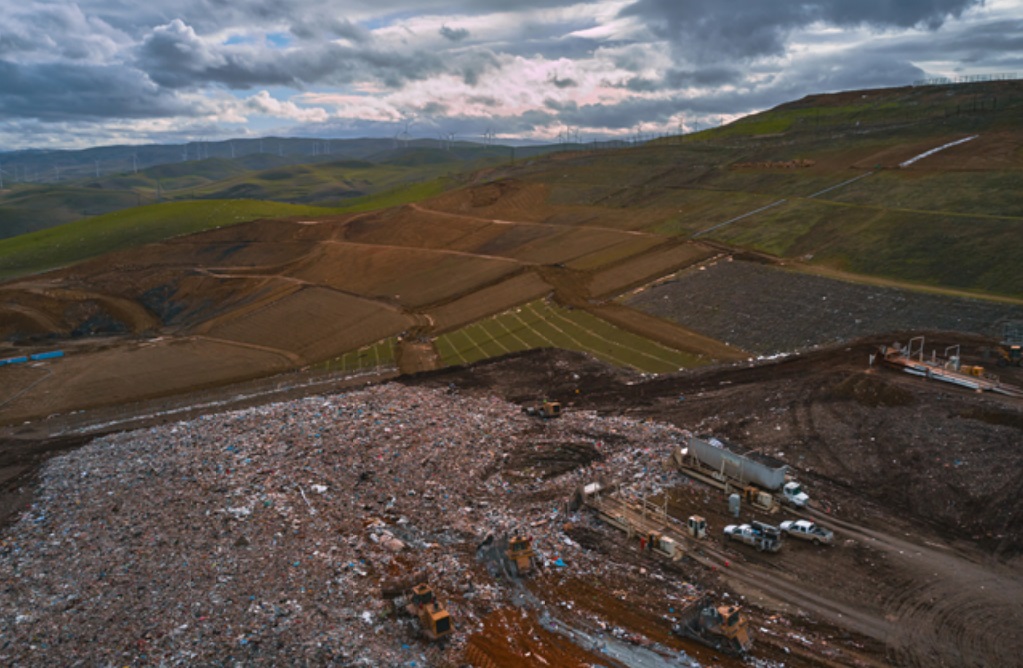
(761,481)
(764,537)
(807,530)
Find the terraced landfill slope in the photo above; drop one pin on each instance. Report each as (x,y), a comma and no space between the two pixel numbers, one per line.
(264,535)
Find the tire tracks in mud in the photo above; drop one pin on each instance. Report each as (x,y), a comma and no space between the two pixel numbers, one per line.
(948,608)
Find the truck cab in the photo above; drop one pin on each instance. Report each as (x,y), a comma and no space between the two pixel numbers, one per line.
(793,493)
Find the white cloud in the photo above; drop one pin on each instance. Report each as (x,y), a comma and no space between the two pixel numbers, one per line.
(533,65)
(265,104)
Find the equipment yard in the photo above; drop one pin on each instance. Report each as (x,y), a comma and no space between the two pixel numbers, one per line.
(266,535)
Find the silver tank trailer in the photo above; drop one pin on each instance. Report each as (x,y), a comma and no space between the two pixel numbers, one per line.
(736,466)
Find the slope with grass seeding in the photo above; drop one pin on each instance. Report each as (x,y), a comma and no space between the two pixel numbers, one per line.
(540,324)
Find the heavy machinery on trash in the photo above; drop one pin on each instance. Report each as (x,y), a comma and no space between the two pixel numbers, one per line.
(546,410)
(520,558)
(1010,350)
(511,555)
(760,482)
(722,627)
(420,601)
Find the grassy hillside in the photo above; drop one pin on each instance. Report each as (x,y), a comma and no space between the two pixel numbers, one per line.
(319,180)
(74,242)
(820,180)
(25,208)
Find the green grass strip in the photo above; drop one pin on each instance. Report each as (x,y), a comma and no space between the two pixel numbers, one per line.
(83,239)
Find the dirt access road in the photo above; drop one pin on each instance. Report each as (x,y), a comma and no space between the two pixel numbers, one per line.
(921,480)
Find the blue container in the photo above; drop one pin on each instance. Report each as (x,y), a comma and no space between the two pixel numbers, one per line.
(53,354)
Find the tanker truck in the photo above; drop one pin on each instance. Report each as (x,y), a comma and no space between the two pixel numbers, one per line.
(760,481)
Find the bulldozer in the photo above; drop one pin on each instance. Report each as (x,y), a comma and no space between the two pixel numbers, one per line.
(420,602)
(520,557)
(722,627)
(1010,350)
(546,410)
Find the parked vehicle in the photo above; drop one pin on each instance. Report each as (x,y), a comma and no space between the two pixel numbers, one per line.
(762,483)
(764,537)
(808,530)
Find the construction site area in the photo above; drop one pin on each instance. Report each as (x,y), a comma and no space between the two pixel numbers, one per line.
(747,401)
(584,531)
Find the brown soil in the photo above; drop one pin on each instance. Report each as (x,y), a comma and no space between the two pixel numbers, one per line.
(919,480)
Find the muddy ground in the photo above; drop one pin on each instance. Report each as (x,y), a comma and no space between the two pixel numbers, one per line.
(919,480)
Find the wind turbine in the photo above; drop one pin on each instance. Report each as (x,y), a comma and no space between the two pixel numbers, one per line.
(405,134)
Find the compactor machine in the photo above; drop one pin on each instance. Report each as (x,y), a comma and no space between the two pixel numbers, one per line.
(421,602)
(546,410)
(520,557)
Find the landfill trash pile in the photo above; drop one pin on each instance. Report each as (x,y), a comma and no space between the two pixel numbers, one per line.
(262,536)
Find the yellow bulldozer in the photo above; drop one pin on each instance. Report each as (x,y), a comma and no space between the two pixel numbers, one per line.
(1010,350)
(420,602)
(546,410)
(722,627)
(520,557)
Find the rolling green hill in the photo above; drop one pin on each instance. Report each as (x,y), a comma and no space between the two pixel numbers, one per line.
(371,167)
(66,244)
(817,180)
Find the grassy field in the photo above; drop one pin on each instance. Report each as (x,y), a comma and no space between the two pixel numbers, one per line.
(348,185)
(962,252)
(539,324)
(378,355)
(83,239)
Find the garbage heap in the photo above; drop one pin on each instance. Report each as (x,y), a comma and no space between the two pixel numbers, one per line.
(262,536)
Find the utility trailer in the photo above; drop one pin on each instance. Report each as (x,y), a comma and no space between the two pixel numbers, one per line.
(640,518)
(720,464)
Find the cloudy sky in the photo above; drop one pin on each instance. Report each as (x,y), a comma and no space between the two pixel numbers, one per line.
(121,71)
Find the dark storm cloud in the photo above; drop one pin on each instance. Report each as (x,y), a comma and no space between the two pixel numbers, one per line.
(60,30)
(54,92)
(476,63)
(707,30)
(306,29)
(711,76)
(558,82)
(174,56)
(453,34)
(1003,38)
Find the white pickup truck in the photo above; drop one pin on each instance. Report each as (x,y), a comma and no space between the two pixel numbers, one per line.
(764,537)
(808,530)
